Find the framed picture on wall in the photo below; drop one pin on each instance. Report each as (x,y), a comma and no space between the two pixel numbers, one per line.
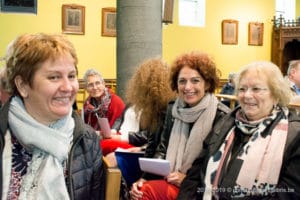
(20,6)
(230,31)
(109,22)
(73,17)
(255,33)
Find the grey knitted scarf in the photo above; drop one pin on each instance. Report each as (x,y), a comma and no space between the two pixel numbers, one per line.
(49,146)
(184,145)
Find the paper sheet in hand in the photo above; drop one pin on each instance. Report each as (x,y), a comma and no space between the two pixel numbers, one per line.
(155,166)
(105,128)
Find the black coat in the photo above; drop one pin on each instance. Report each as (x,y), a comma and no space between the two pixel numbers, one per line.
(86,178)
(193,185)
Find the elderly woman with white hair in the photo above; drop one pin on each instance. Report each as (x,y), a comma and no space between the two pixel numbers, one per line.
(101,103)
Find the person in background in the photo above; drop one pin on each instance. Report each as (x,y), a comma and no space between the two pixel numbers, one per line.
(147,95)
(228,88)
(253,152)
(4,94)
(101,102)
(293,76)
(47,150)
(188,120)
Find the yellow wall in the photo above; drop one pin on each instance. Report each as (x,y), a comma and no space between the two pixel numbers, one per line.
(100,52)
(297,9)
(93,50)
(228,57)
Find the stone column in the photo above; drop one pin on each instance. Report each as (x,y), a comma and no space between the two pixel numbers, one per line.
(139,36)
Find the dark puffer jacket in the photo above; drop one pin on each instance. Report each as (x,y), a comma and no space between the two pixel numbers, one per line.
(86,179)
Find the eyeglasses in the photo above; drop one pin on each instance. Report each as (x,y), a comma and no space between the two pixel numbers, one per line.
(91,85)
(254,90)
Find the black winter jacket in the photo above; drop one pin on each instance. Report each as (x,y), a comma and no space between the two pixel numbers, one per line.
(86,178)
(193,185)
(158,143)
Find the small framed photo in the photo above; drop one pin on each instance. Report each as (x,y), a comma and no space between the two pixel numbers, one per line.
(73,17)
(109,22)
(230,31)
(20,6)
(255,33)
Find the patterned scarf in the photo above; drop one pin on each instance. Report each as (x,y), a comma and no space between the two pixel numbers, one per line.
(185,144)
(49,146)
(96,108)
(261,156)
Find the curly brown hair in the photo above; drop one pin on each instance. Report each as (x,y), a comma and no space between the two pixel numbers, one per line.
(149,91)
(200,62)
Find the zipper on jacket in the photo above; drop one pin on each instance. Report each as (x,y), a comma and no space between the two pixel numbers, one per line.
(69,164)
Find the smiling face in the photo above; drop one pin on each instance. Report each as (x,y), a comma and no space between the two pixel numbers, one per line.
(255,96)
(191,86)
(53,91)
(95,86)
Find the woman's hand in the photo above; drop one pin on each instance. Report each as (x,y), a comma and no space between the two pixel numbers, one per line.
(175,178)
(135,149)
(135,192)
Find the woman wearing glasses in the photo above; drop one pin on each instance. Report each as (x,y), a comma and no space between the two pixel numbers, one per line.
(188,120)
(101,102)
(253,152)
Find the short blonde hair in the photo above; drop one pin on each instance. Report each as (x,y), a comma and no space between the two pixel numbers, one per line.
(279,88)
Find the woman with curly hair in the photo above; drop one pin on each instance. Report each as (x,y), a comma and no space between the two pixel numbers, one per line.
(188,120)
(147,96)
